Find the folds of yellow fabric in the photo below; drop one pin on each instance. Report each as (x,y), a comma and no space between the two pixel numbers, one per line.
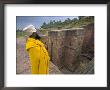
(39,57)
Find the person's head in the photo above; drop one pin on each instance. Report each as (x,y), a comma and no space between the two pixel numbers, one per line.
(35,35)
(32,32)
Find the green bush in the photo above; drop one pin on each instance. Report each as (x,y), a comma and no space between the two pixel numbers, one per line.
(20,34)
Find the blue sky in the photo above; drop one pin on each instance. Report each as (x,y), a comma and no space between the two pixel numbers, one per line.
(37,21)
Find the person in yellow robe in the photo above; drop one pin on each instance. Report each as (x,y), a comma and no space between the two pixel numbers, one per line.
(39,57)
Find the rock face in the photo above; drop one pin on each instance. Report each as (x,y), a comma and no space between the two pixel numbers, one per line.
(56,48)
(73,45)
(88,43)
(66,46)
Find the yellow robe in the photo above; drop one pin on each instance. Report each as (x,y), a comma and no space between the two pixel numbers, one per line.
(39,57)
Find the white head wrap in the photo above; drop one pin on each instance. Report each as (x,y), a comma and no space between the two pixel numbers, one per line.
(29,30)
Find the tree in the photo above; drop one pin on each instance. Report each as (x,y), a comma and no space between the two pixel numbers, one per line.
(81,17)
(44,25)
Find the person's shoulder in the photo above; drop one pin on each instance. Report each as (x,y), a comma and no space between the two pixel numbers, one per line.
(40,42)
